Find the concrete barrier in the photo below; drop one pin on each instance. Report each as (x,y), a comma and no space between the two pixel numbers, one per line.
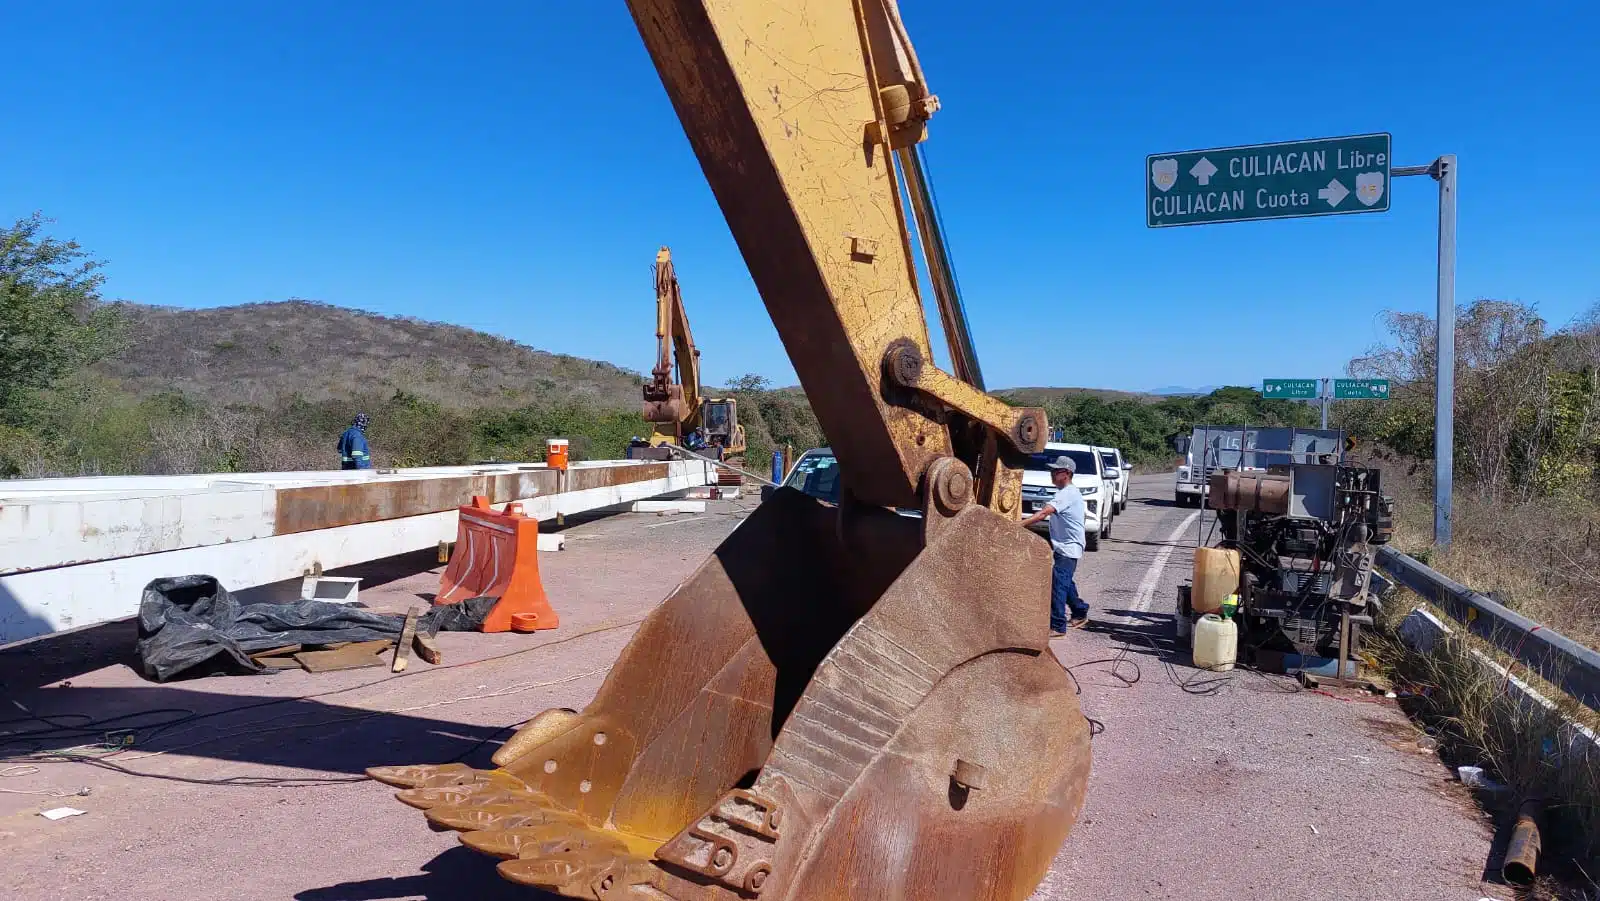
(76,552)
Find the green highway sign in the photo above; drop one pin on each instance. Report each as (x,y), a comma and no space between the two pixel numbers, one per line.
(1361,389)
(1322,177)
(1290,389)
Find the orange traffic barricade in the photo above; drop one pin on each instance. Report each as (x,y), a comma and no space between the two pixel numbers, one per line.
(497,555)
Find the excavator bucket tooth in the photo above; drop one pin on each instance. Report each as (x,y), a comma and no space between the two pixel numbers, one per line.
(588,873)
(413,776)
(480,816)
(820,697)
(482,793)
(540,840)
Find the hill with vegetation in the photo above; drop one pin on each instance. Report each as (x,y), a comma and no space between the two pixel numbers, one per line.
(94,387)
(1044,396)
(316,351)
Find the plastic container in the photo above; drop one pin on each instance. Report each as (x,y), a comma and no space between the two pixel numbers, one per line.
(1216,575)
(556,453)
(1216,643)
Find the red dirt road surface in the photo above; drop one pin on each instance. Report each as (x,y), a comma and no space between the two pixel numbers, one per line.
(1252,791)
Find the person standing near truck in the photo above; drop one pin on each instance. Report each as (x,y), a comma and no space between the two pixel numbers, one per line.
(353,450)
(1065,514)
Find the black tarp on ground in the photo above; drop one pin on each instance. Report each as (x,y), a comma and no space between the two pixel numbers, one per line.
(191,625)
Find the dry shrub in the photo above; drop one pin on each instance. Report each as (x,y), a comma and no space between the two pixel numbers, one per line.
(1539,557)
(1479,719)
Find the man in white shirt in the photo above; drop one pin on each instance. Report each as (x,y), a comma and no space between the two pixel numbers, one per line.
(1065,513)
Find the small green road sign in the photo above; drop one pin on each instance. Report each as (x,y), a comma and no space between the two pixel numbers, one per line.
(1322,177)
(1361,389)
(1289,389)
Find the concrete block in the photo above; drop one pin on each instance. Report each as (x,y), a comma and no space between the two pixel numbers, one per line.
(552,542)
(338,589)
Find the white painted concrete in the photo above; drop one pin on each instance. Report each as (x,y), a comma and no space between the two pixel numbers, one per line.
(65,520)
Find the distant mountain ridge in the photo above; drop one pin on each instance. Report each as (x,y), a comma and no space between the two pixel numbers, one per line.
(1180,391)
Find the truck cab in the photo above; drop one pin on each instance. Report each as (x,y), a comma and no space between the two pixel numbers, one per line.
(1089,477)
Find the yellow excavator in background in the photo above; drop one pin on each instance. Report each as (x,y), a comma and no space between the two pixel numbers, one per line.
(681,416)
(842,702)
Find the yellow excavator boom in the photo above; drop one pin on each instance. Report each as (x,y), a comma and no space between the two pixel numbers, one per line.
(842,702)
(673,404)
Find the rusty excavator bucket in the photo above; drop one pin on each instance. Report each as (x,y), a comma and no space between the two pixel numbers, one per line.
(843,703)
(818,713)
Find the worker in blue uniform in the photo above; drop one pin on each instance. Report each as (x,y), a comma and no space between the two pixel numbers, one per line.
(353,450)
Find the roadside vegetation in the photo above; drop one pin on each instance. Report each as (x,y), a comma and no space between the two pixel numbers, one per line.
(90,387)
(1527,455)
(1527,507)
(1144,429)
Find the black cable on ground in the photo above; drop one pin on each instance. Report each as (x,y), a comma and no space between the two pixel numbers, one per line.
(62,731)
(231,781)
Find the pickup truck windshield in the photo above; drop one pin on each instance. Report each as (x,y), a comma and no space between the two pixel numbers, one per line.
(1110,461)
(817,475)
(1082,461)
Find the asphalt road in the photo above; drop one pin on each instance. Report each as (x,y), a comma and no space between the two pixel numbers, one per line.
(1247,792)
(1255,790)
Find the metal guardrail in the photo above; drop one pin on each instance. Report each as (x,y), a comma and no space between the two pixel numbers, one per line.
(1556,658)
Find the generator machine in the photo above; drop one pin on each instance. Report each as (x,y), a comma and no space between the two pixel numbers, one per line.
(1294,537)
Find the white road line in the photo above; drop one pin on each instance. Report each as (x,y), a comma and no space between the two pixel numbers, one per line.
(673,522)
(1152,576)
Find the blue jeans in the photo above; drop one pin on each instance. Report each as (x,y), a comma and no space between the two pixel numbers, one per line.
(1064,593)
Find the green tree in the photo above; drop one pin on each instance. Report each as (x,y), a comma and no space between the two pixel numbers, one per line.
(52,322)
(749,383)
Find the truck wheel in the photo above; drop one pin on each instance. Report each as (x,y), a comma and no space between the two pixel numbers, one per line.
(1105,527)
(1091,541)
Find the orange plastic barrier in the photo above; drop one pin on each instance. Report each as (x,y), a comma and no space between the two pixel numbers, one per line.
(497,555)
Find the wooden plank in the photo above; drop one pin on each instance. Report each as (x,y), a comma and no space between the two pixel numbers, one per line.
(353,656)
(284,651)
(280,662)
(402,648)
(427,649)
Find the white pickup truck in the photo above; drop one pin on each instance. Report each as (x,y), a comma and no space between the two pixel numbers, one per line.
(1089,476)
(1120,475)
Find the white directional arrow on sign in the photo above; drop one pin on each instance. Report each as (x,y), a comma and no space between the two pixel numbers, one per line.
(1334,192)
(1202,171)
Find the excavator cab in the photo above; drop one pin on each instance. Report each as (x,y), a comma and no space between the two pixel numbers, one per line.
(842,703)
(719,418)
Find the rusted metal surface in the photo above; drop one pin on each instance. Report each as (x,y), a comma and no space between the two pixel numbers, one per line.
(1522,852)
(1259,491)
(843,702)
(314,507)
(780,131)
(827,709)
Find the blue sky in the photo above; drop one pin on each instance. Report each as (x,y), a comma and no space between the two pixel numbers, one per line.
(513,166)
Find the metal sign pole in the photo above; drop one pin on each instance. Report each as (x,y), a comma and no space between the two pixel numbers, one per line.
(1443,170)
(1325,402)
